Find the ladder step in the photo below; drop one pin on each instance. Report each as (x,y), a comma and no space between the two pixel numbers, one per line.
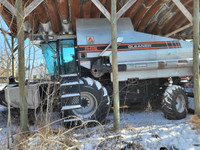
(70,107)
(70,95)
(69,84)
(71,120)
(69,75)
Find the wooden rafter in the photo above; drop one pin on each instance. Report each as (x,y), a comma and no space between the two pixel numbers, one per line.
(28,9)
(32,7)
(8,6)
(119,13)
(125,8)
(183,10)
(102,9)
(187,15)
(179,30)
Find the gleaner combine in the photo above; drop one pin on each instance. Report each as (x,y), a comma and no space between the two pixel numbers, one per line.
(150,68)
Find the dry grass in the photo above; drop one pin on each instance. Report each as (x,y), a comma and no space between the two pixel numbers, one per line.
(48,138)
(195,120)
(78,137)
(44,139)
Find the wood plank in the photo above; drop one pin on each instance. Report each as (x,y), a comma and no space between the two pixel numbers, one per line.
(8,6)
(183,10)
(179,30)
(32,7)
(102,8)
(125,8)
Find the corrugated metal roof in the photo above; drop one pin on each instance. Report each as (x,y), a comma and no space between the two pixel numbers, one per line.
(158,17)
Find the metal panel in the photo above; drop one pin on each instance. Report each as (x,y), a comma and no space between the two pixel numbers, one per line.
(100,30)
(33,97)
(155,73)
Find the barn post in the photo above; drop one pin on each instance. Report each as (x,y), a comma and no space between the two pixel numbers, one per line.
(115,66)
(20,37)
(196,57)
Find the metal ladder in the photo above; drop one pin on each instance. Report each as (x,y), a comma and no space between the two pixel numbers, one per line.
(70,93)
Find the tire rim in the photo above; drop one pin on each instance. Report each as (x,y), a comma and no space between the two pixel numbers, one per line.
(180,103)
(89,106)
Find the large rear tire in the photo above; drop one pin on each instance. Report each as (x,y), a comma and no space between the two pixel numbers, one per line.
(95,101)
(175,103)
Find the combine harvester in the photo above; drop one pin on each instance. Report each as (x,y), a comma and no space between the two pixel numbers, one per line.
(150,68)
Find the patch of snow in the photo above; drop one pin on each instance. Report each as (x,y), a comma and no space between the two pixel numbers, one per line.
(170,89)
(3,129)
(2,86)
(89,81)
(2,108)
(189,90)
(149,130)
(191,103)
(88,146)
(70,95)
(99,86)
(105,91)
(166,99)
(81,81)
(108,103)
(139,129)
(3,138)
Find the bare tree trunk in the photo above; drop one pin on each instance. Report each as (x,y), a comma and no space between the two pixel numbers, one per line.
(47,110)
(20,36)
(13,58)
(115,66)
(196,58)
(8,101)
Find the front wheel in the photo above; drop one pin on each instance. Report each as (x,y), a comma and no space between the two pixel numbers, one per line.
(175,103)
(95,101)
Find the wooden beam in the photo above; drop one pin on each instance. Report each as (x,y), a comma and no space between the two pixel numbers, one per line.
(32,7)
(101,8)
(183,10)
(8,6)
(179,30)
(125,8)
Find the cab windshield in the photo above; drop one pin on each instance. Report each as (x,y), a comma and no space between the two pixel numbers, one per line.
(59,57)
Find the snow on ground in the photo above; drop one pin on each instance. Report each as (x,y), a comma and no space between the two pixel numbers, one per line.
(147,130)
(154,131)
(3,123)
